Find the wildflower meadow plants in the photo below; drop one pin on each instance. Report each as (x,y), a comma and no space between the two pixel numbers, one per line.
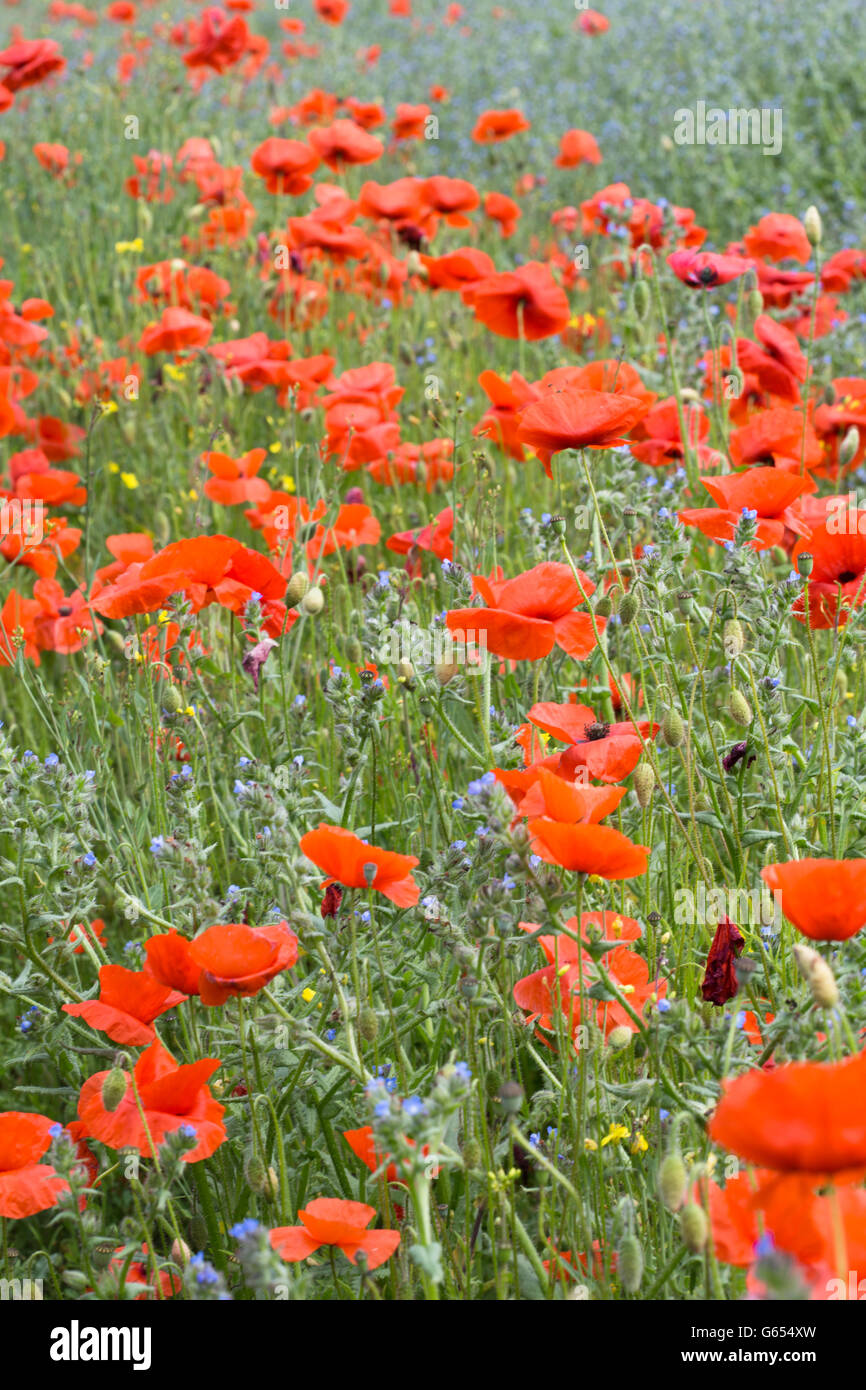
(432,593)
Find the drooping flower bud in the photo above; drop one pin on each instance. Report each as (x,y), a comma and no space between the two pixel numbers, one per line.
(673,729)
(694,1228)
(739,709)
(644,784)
(114,1088)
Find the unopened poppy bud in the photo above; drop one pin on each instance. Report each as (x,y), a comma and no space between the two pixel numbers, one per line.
(406,672)
(813,225)
(828,395)
(673,729)
(74,1278)
(472,1153)
(256,1173)
(673,1180)
(113,1088)
(739,708)
(630,1263)
(849,446)
(818,975)
(702,802)
(181,1253)
(172,700)
(354,650)
(644,784)
(604,607)
(198,1231)
(640,299)
(511,1097)
(416,266)
(445,671)
(755,303)
(368,1024)
(693,1227)
(629,608)
(296,588)
(313,601)
(619,1037)
(732,637)
(805,561)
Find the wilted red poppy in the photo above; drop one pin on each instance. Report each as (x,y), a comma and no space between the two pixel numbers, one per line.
(332,1221)
(591,849)
(720,976)
(805,1117)
(26,1185)
(241,960)
(522,303)
(494,126)
(575,419)
(129,1001)
(526,616)
(824,898)
(344,858)
(169,1095)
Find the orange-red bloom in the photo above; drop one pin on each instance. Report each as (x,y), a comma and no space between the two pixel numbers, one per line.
(526,616)
(824,898)
(332,1221)
(344,858)
(236,959)
(26,1185)
(129,1001)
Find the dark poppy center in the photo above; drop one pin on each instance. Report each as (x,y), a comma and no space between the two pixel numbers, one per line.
(707,275)
(846,576)
(65,610)
(596,731)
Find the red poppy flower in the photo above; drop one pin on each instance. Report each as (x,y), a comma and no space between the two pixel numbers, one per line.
(838,579)
(141,1272)
(768,491)
(54,158)
(609,752)
(451,198)
(495,126)
(778,236)
(502,209)
(526,302)
(526,616)
(575,419)
(332,1221)
(591,849)
(285,165)
(720,977)
(129,1001)
(556,798)
(824,898)
(29,62)
(805,1117)
(175,330)
(169,961)
(235,480)
(345,142)
(577,147)
(169,1095)
(26,1185)
(344,857)
(704,270)
(236,959)
(363,1145)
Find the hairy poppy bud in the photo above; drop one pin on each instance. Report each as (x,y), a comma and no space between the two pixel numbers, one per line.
(644,783)
(693,1227)
(406,672)
(472,1153)
(732,638)
(673,729)
(629,608)
(640,299)
(113,1088)
(445,671)
(739,709)
(172,700)
(256,1173)
(813,225)
(673,1181)
(818,975)
(849,446)
(620,1037)
(604,607)
(630,1263)
(198,1231)
(313,601)
(511,1097)
(296,588)
(755,303)
(180,1252)
(368,1024)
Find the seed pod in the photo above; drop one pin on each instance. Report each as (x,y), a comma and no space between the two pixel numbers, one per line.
(819,976)
(805,561)
(171,700)
(673,1181)
(673,729)
(511,1097)
(693,1227)
(644,784)
(630,1263)
(368,1024)
(114,1088)
(813,226)
(629,608)
(313,601)
(296,588)
(739,709)
(732,638)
